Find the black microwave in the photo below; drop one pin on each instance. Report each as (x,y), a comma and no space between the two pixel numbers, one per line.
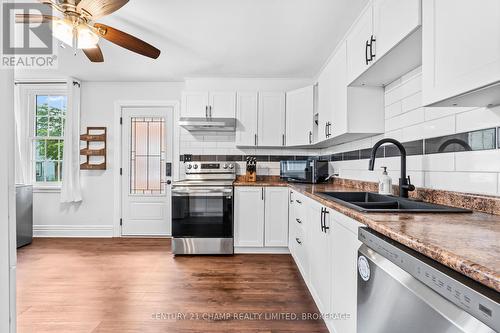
(307,171)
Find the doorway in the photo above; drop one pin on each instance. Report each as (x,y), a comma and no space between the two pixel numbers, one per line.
(146,170)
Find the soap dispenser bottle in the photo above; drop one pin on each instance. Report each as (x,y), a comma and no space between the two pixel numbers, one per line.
(385,183)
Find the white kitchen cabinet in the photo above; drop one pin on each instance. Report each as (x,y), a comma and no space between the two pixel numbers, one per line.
(298,241)
(260,217)
(299,116)
(385,42)
(345,245)
(194,104)
(347,113)
(202,104)
(271,119)
(319,255)
(246,115)
(461,52)
(276,217)
(248,216)
(358,44)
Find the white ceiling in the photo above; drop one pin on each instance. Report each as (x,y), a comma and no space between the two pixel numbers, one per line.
(218,38)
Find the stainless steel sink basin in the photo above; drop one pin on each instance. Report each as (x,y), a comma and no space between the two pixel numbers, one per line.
(378,203)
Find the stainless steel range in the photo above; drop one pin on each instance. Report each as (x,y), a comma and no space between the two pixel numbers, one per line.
(202,209)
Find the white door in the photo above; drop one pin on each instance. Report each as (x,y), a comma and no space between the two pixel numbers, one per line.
(246,116)
(276,216)
(459,57)
(356,45)
(249,216)
(319,254)
(271,119)
(194,104)
(393,20)
(299,116)
(146,171)
(222,104)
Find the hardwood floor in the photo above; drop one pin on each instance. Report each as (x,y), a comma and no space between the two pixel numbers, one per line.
(136,285)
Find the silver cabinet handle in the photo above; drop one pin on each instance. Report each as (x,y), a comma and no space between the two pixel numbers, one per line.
(283,139)
(310,137)
(298,201)
(298,221)
(298,240)
(262,194)
(255,138)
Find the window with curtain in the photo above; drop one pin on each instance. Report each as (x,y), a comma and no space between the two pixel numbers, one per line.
(48,114)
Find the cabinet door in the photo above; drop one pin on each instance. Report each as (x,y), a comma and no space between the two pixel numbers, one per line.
(246,116)
(271,119)
(249,216)
(194,104)
(393,20)
(461,47)
(299,116)
(339,108)
(276,216)
(345,246)
(319,254)
(223,104)
(356,44)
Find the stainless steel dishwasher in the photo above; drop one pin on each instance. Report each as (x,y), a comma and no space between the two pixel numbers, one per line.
(400,290)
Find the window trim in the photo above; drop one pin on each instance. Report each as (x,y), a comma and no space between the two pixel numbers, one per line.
(29,93)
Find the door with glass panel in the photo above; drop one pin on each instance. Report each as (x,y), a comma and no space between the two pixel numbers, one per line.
(146,171)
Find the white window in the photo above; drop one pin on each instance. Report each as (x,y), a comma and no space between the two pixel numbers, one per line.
(46,107)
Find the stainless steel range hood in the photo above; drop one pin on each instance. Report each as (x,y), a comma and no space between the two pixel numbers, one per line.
(208,124)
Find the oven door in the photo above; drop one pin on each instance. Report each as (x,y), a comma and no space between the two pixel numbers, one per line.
(202,212)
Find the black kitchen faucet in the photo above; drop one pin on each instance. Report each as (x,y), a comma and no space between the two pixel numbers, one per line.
(405,185)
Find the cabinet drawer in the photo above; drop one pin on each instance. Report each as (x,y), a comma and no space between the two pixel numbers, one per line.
(299,251)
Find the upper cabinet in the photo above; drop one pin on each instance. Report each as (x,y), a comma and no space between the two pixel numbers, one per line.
(461,53)
(385,42)
(271,119)
(208,104)
(246,116)
(346,113)
(299,116)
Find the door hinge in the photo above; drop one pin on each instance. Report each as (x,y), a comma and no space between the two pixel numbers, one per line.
(121,120)
(121,171)
(121,221)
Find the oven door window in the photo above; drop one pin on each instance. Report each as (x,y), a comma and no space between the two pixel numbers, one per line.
(202,216)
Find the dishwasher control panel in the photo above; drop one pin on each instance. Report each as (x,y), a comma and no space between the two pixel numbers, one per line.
(474,298)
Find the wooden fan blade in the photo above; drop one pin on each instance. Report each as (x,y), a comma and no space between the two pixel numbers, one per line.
(100,8)
(127,41)
(34,18)
(94,54)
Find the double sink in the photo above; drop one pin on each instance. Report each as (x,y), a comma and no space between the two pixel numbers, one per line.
(378,203)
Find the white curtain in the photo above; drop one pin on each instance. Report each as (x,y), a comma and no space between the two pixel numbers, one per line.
(71,189)
(21,141)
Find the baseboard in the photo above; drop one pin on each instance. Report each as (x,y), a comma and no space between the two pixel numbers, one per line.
(261,250)
(85,231)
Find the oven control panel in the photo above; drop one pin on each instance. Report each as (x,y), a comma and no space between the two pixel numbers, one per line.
(210,167)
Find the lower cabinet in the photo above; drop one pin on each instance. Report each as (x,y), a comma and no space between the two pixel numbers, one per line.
(324,245)
(320,255)
(260,217)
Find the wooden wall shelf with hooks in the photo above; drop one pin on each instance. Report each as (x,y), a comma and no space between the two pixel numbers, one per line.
(96,141)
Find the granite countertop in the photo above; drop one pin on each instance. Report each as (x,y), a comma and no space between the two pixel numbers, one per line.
(261,181)
(467,243)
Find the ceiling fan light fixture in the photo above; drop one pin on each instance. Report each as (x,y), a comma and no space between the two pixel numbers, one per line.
(85,37)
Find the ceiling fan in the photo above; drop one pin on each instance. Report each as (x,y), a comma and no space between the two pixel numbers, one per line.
(78,28)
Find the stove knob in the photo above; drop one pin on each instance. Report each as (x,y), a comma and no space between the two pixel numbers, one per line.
(224,165)
(231,166)
(195,166)
(189,166)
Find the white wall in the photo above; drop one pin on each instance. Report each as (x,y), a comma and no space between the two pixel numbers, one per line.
(407,120)
(7,204)
(94,216)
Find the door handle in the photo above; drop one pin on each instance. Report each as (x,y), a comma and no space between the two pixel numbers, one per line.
(283,139)
(372,54)
(255,138)
(210,111)
(326,130)
(298,221)
(310,137)
(324,220)
(322,216)
(367,45)
(298,240)
(298,201)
